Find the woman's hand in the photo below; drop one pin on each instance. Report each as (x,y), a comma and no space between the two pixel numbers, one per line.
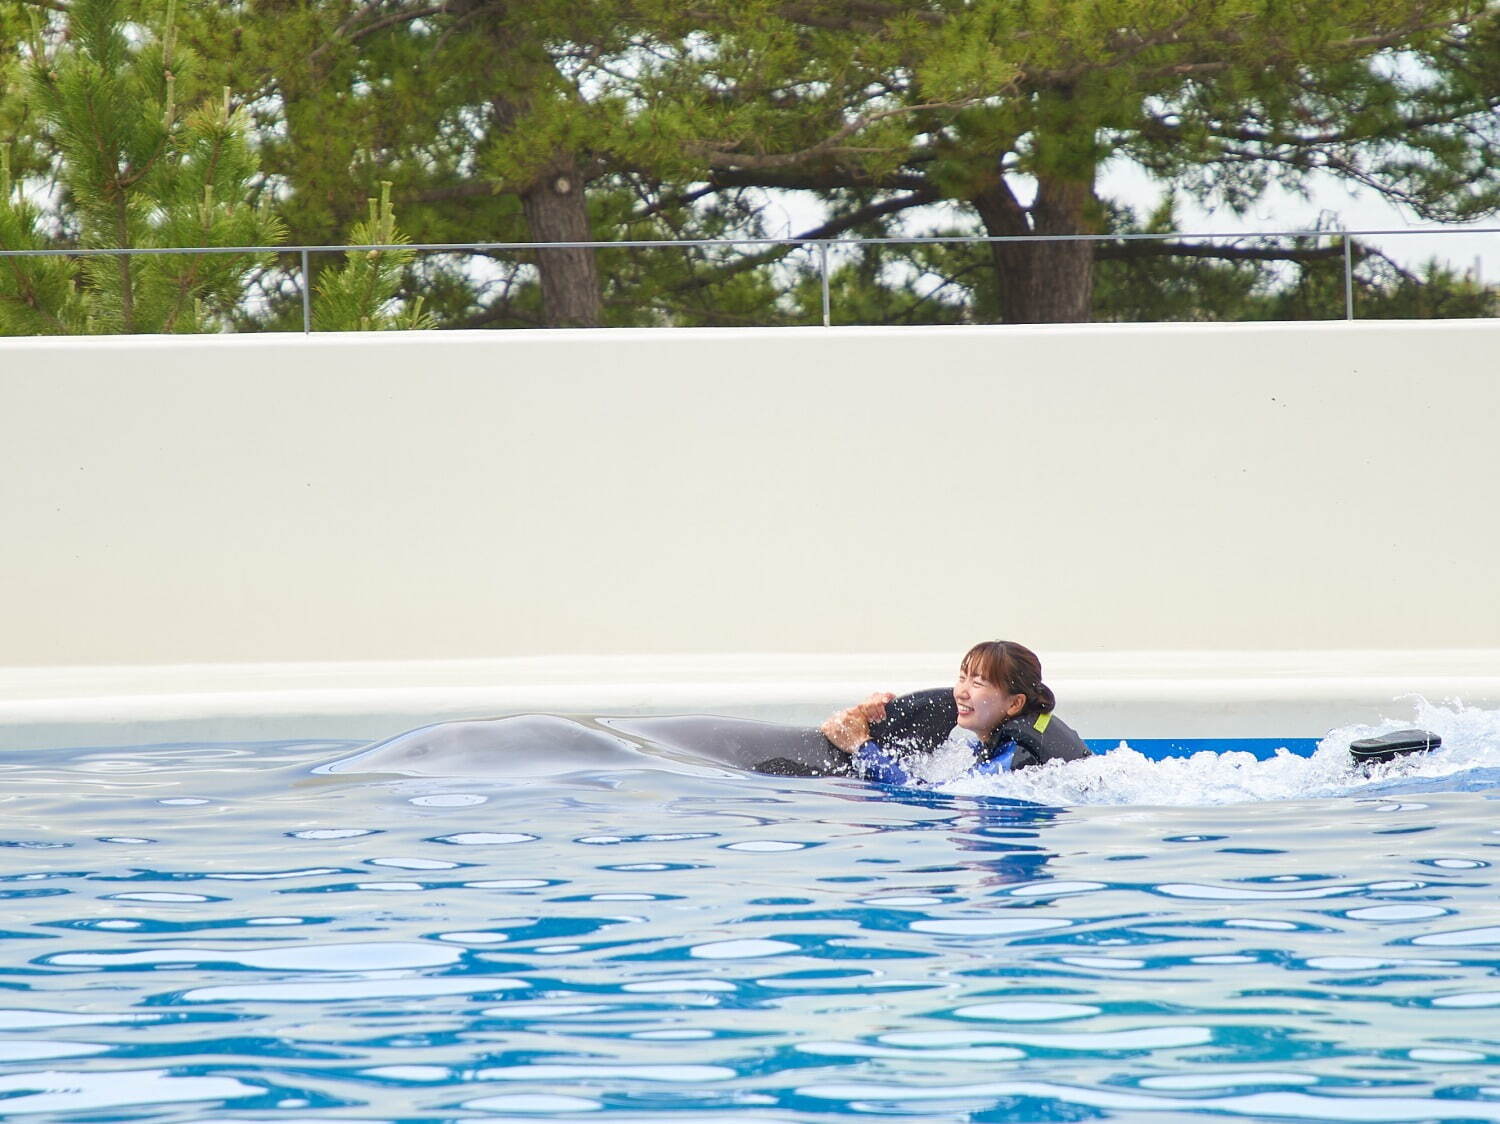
(873,708)
(850,728)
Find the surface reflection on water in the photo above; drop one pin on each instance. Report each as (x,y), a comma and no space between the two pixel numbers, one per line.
(214,932)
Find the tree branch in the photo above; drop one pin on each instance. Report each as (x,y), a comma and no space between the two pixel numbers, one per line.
(1136,249)
(857,16)
(1160,129)
(1207,66)
(682,199)
(495,314)
(474,190)
(949,281)
(829,229)
(836,226)
(818,180)
(828,146)
(351,31)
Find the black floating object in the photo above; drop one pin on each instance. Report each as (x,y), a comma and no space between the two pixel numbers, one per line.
(1389,746)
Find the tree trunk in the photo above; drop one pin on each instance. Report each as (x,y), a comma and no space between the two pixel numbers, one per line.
(1041,282)
(554,202)
(557,211)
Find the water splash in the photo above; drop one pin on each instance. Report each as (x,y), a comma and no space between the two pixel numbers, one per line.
(1469,760)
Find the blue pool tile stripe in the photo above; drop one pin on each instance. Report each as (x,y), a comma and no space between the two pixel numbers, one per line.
(1158,748)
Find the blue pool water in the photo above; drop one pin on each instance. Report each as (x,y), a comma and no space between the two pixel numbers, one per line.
(218,933)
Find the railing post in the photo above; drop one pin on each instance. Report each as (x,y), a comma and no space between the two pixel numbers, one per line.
(306,297)
(1348,279)
(823,269)
(790,244)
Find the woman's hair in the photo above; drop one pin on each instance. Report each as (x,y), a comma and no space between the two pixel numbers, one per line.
(1014,668)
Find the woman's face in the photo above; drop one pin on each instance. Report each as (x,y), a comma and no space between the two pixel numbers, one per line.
(983,705)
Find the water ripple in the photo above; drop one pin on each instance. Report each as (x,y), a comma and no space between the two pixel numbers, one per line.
(639,946)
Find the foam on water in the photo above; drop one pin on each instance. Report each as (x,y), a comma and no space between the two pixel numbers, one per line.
(1469,759)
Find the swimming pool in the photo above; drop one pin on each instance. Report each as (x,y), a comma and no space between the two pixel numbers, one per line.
(214,931)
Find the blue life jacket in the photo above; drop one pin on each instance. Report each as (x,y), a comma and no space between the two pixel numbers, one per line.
(874,762)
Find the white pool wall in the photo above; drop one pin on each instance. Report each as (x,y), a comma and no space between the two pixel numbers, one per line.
(1105,695)
(212,516)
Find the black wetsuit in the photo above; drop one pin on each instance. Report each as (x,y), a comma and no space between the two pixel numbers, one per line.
(917,723)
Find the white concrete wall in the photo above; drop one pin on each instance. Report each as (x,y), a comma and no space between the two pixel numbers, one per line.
(420,524)
(1104,695)
(509,494)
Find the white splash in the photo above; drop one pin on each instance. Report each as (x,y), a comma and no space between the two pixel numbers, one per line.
(1469,759)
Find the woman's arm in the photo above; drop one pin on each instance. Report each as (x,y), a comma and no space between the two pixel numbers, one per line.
(849,729)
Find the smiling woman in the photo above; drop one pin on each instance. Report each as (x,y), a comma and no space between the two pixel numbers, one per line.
(999,680)
(997,718)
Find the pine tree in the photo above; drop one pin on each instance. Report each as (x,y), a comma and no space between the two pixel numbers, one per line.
(360,295)
(1010,109)
(37,294)
(517,120)
(146,157)
(138,169)
(504,122)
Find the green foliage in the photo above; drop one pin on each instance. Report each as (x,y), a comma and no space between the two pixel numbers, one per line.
(144,157)
(361,295)
(1167,288)
(686,122)
(136,170)
(1382,291)
(882,288)
(975,101)
(1143,286)
(37,294)
(1305,282)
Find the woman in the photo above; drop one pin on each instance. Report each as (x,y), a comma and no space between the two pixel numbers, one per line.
(997,718)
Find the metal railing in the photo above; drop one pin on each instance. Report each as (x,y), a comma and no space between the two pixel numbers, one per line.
(821,245)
